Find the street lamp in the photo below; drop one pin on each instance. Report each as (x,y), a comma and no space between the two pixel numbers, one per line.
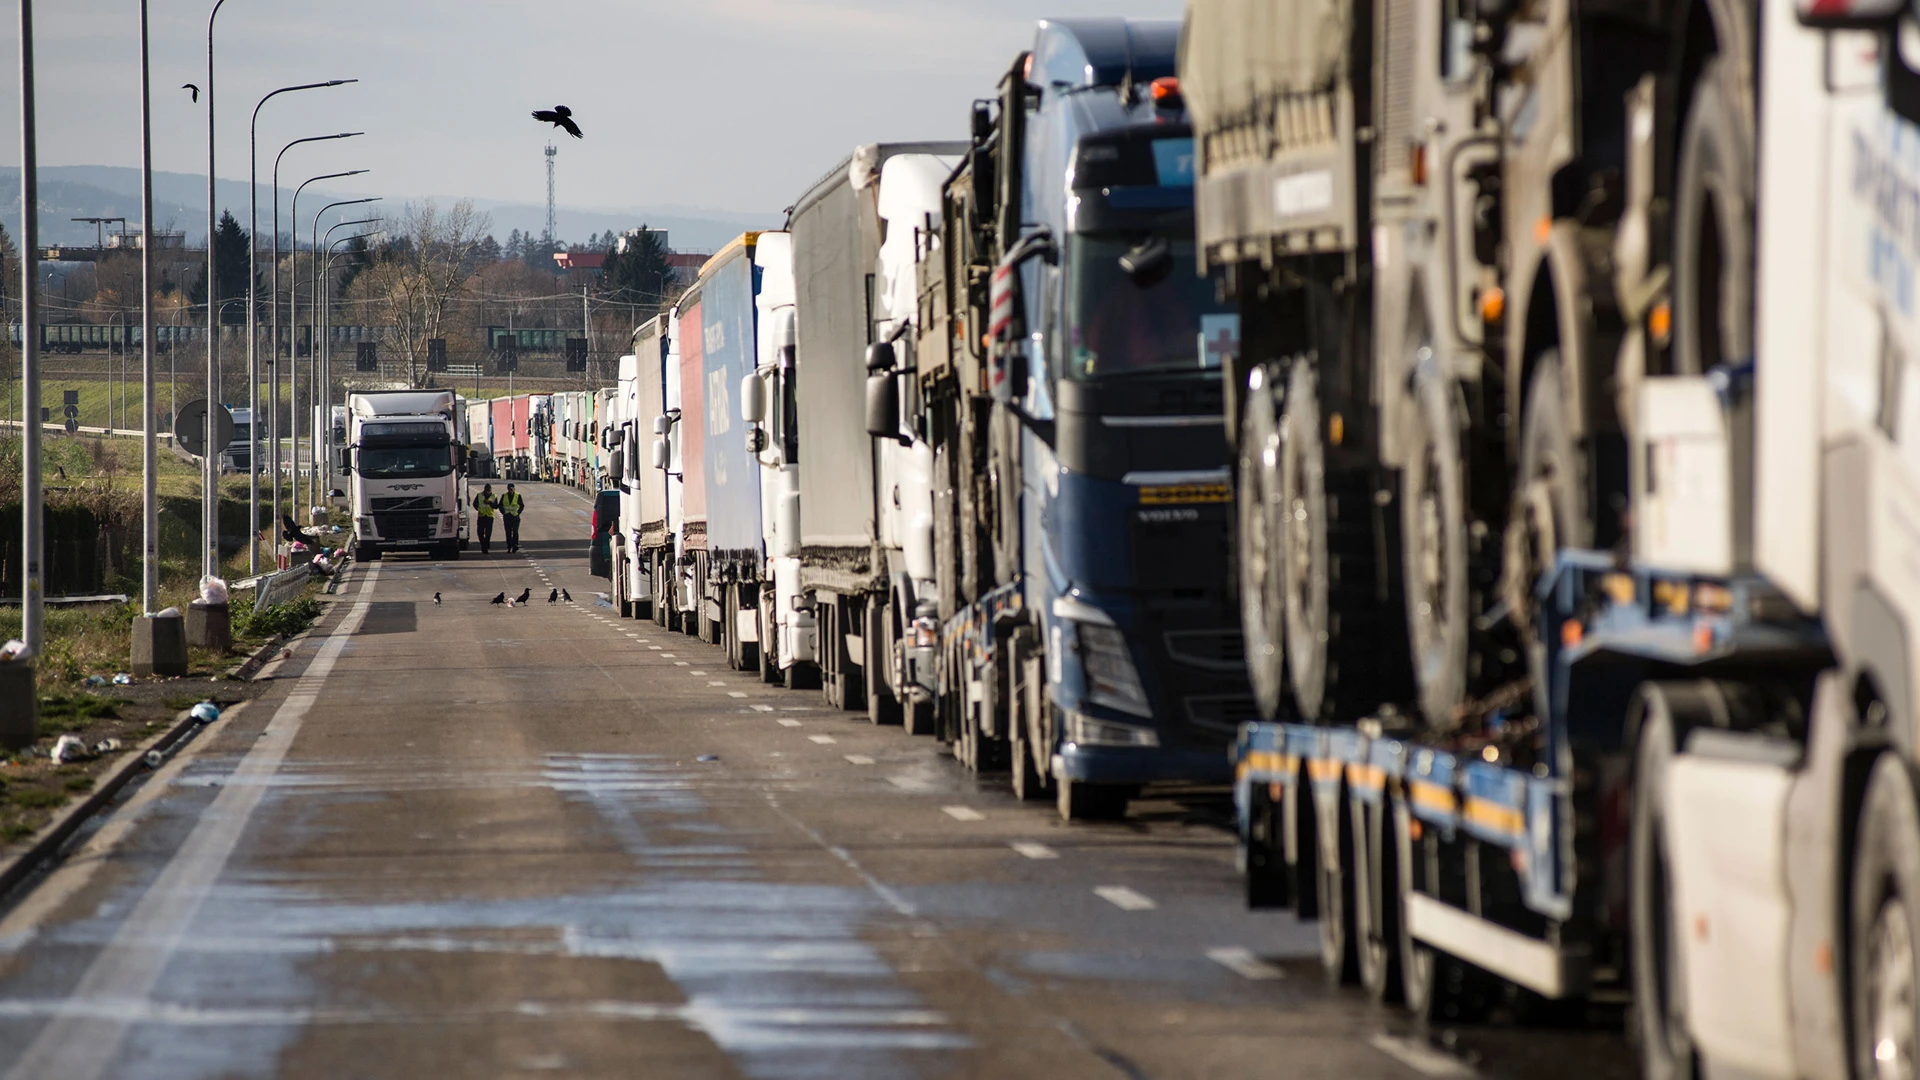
(273,300)
(210,472)
(253,321)
(293,330)
(32,614)
(326,330)
(321,388)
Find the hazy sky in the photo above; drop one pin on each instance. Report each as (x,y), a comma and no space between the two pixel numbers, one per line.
(724,104)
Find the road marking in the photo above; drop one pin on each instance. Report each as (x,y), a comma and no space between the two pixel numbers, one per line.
(1124,898)
(824,740)
(1034,851)
(79,1046)
(684,663)
(736,693)
(963,813)
(655,648)
(668,655)
(629,635)
(859,759)
(1242,962)
(701,673)
(712,682)
(789,723)
(1419,1057)
(764,708)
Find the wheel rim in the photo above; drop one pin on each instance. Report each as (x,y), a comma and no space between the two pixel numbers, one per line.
(1890,992)
(1261,596)
(1431,565)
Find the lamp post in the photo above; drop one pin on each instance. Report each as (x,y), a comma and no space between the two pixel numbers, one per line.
(293,332)
(149,458)
(210,473)
(253,320)
(320,359)
(32,614)
(273,299)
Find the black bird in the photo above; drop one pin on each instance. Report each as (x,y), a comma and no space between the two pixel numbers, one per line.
(195,89)
(561,117)
(501,599)
(564,595)
(524,593)
(436,598)
(552,596)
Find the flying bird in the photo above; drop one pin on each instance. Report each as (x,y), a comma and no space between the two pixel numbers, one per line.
(552,596)
(561,117)
(564,595)
(524,593)
(195,89)
(436,598)
(501,599)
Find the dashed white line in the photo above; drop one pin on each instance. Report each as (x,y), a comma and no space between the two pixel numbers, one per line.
(1124,898)
(736,693)
(683,663)
(1034,851)
(789,723)
(764,708)
(1420,1058)
(963,813)
(712,682)
(700,673)
(668,655)
(655,648)
(1242,962)
(823,740)
(859,759)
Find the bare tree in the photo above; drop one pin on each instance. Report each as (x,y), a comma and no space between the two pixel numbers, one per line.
(416,278)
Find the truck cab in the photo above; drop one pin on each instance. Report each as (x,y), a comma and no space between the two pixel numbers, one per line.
(407,464)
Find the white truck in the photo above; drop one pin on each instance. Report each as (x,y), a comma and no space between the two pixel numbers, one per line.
(408,463)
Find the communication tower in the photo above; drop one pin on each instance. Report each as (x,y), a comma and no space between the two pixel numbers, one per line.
(548,238)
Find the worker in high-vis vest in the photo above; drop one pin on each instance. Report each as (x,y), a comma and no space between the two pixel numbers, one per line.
(484,504)
(512,505)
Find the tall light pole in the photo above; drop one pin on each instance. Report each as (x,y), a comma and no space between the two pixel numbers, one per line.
(322,394)
(273,300)
(149,461)
(253,320)
(32,614)
(210,472)
(293,331)
(326,328)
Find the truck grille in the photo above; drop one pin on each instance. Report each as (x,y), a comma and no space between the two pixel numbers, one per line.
(410,502)
(403,524)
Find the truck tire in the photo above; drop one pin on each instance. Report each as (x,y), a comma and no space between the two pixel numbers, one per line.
(1884,920)
(1028,696)
(1659,1021)
(1078,800)
(769,640)
(1376,899)
(1433,528)
(1269,880)
(662,604)
(728,629)
(448,551)
(802,675)
(1437,988)
(1333,884)
(883,705)
(1003,482)
(1713,224)
(980,696)
(622,608)
(366,553)
(1550,506)
(1258,535)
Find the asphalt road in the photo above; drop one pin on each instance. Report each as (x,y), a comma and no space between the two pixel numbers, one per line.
(464,840)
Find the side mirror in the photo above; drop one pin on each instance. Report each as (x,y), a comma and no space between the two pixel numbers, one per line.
(346,460)
(618,468)
(883,406)
(1148,263)
(753,399)
(660,453)
(660,425)
(880,357)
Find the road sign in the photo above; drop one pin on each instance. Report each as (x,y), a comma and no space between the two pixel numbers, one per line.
(509,355)
(72,425)
(436,354)
(71,399)
(367,356)
(190,427)
(576,354)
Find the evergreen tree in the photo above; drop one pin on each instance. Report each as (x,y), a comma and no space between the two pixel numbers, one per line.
(488,251)
(230,264)
(516,245)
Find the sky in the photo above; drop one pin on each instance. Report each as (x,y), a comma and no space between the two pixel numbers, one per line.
(734,105)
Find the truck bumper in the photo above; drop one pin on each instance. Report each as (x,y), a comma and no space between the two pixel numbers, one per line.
(1141,764)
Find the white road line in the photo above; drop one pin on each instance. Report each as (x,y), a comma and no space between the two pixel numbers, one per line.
(668,655)
(1419,1057)
(703,673)
(712,682)
(736,693)
(1034,851)
(823,740)
(1124,898)
(763,708)
(655,648)
(683,663)
(83,1047)
(963,813)
(789,723)
(859,759)
(1242,962)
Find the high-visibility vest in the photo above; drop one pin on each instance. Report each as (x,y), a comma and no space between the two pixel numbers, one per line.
(484,503)
(512,503)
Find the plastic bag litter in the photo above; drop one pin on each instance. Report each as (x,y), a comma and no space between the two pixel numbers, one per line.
(122,679)
(206,712)
(167,613)
(213,590)
(106,746)
(67,749)
(94,680)
(13,650)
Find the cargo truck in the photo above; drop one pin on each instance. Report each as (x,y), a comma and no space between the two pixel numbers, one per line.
(787,632)
(1082,619)
(407,462)
(642,543)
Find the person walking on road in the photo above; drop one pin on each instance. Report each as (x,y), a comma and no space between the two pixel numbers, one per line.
(484,505)
(512,505)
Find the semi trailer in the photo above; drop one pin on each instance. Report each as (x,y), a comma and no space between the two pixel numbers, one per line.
(408,465)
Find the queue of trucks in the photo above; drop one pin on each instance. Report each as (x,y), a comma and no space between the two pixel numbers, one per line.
(1481,432)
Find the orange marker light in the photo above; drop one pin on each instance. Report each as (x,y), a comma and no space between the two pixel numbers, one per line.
(1418,167)
(1543,230)
(1493,305)
(1572,633)
(1165,91)
(1660,322)
(1336,429)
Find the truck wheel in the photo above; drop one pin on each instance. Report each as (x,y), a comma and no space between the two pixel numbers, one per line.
(883,703)
(1713,224)
(1376,900)
(465,543)
(1029,778)
(727,630)
(1885,926)
(449,551)
(1003,477)
(769,640)
(1438,988)
(1549,506)
(1434,542)
(621,605)
(802,675)
(1078,800)
(1269,881)
(1262,578)
(366,553)
(1664,1046)
(1339,957)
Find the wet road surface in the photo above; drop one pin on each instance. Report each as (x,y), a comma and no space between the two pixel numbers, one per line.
(467,840)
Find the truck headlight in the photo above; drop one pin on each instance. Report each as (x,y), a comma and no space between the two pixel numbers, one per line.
(1112,679)
(438,502)
(1087,731)
(365,524)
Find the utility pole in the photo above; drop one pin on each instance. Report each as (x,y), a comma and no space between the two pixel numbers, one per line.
(32,614)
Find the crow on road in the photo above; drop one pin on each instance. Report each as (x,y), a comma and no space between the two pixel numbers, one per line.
(501,599)
(564,595)
(524,593)
(552,596)
(561,117)
(436,598)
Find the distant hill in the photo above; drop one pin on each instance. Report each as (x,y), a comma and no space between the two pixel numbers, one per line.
(180,200)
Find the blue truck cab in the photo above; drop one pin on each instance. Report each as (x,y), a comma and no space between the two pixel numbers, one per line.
(1104,646)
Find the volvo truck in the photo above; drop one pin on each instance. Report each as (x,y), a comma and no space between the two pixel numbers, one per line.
(407,462)
(1081,616)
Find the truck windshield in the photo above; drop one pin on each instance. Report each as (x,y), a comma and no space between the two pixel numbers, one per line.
(404,462)
(241,433)
(1116,325)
